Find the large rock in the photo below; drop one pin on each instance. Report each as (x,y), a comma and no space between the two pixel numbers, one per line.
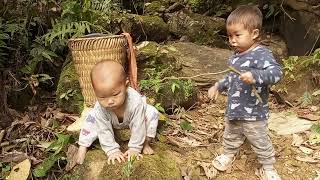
(301,34)
(69,96)
(277,45)
(183,59)
(299,79)
(197,28)
(196,59)
(148,27)
(161,165)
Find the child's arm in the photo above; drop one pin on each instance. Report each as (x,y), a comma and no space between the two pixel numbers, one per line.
(138,130)
(271,72)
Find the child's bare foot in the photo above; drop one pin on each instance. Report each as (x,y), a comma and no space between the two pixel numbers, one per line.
(147,149)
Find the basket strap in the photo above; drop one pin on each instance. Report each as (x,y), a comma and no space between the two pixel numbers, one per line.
(132,64)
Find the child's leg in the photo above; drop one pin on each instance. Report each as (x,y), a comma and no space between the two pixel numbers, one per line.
(152,117)
(256,132)
(233,137)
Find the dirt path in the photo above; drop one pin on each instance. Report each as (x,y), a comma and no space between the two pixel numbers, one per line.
(207,120)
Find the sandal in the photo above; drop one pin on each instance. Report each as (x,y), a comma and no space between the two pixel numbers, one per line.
(222,162)
(267,174)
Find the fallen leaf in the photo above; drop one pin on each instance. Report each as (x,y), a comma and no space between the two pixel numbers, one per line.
(296,140)
(318,175)
(209,170)
(14,157)
(44,144)
(306,150)
(71,157)
(306,159)
(190,142)
(20,171)
(310,117)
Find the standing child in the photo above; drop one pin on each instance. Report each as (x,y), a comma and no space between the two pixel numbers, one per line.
(246,116)
(118,107)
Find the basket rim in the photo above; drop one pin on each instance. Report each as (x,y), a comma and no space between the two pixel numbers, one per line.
(94,38)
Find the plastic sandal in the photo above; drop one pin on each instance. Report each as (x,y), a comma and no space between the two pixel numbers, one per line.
(267,174)
(222,162)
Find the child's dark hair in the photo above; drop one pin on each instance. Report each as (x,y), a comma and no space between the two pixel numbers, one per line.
(249,16)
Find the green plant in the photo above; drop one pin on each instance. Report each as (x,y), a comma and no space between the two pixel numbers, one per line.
(67,95)
(79,17)
(306,99)
(314,60)
(159,107)
(128,167)
(186,126)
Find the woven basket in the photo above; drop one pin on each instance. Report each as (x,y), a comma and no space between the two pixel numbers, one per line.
(88,51)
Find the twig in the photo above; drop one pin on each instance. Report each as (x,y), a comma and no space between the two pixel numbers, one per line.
(13,142)
(192,77)
(253,86)
(1,135)
(291,18)
(314,44)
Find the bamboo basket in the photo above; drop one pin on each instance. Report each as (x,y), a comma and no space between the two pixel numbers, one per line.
(88,51)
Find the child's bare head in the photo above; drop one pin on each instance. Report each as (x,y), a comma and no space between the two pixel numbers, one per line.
(249,16)
(109,82)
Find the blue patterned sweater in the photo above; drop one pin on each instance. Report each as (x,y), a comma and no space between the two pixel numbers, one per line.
(242,102)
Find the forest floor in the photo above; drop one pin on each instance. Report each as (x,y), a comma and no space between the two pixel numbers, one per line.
(194,135)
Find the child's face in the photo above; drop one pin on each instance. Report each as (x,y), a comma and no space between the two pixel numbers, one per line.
(240,38)
(111,95)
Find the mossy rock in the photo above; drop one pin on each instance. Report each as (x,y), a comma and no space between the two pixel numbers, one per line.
(161,165)
(146,27)
(69,96)
(298,79)
(155,7)
(197,28)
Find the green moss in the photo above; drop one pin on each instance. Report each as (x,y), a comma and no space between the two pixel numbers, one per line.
(153,7)
(161,165)
(154,28)
(68,81)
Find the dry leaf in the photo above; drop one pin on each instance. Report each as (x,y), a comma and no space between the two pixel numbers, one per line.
(190,142)
(71,157)
(20,171)
(306,150)
(14,157)
(310,117)
(306,159)
(296,140)
(209,170)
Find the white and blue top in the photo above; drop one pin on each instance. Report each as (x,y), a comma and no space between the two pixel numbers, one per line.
(242,102)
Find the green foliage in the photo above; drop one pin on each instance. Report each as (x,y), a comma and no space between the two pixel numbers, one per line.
(315,128)
(79,17)
(59,144)
(315,60)
(128,167)
(186,126)
(43,168)
(159,107)
(273,10)
(155,82)
(68,94)
(306,99)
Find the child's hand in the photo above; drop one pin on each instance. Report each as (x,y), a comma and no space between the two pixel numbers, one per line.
(116,156)
(130,153)
(81,154)
(247,78)
(213,92)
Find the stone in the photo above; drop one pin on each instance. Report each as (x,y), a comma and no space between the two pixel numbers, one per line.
(146,27)
(161,165)
(198,28)
(68,93)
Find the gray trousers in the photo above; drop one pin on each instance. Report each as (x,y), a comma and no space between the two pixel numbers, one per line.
(236,131)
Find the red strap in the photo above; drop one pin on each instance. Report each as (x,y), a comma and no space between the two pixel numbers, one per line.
(132,64)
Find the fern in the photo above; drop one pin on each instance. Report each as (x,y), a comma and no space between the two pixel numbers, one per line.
(79,17)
